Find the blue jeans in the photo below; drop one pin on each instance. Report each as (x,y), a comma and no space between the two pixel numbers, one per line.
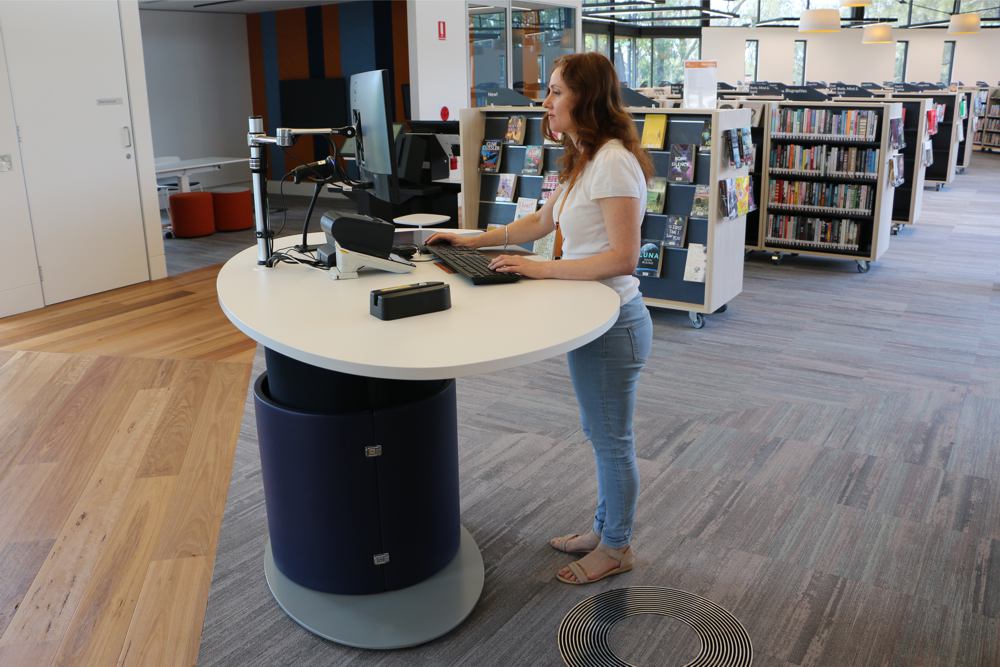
(605,373)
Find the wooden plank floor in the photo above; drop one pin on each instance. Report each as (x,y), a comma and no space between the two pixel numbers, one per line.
(118,421)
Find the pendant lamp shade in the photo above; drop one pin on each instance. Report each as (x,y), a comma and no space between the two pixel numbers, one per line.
(963,24)
(820,20)
(877,33)
(855,3)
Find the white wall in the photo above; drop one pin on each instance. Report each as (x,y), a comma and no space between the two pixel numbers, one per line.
(198,80)
(439,69)
(842,57)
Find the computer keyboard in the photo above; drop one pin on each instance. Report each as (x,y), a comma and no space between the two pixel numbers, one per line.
(470,263)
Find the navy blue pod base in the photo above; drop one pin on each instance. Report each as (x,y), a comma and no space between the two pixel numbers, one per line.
(363,501)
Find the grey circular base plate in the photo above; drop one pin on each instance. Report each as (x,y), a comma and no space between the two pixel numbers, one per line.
(407,617)
(583,633)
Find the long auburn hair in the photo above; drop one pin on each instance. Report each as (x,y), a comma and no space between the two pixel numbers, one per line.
(598,114)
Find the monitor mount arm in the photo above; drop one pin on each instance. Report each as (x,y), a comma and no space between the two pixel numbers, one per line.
(284,137)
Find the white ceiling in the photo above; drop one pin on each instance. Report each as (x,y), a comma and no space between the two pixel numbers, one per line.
(230,6)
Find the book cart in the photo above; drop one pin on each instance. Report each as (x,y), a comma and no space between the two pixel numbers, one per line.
(723,238)
(987,137)
(907,200)
(860,234)
(945,143)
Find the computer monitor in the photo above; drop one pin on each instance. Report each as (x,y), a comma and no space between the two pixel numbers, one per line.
(371,114)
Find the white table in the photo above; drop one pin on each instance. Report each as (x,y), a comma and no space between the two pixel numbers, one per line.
(184,168)
(304,314)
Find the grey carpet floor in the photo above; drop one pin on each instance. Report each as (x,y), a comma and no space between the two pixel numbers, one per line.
(823,460)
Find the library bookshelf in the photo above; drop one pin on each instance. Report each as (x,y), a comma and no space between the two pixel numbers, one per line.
(853,232)
(987,136)
(945,142)
(723,238)
(907,200)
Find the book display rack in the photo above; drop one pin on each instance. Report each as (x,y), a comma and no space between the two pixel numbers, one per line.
(907,201)
(760,111)
(945,141)
(987,136)
(701,264)
(826,180)
(968,113)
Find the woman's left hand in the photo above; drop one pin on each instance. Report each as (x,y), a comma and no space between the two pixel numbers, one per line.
(519,264)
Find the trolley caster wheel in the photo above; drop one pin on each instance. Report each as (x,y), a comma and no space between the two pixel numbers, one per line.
(168,235)
(937,188)
(721,309)
(746,254)
(863,266)
(697,320)
(776,258)
(895,230)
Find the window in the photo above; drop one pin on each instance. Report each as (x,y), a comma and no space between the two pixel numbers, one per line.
(799,63)
(747,10)
(669,54)
(538,37)
(899,74)
(488,51)
(750,61)
(773,9)
(947,57)
(597,42)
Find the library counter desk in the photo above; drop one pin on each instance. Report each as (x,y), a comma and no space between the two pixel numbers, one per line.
(357,429)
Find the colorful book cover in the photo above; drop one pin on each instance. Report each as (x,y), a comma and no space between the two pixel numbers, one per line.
(489,156)
(650,259)
(733,148)
(549,184)
(681,168)
(525,206)
(742,195)
(534,156)
(695,263)
(706,137)
(654,131)
(656,195)
(506,187)
(727,198)
(699,207)
(675,231)
(746,147)
(516,126)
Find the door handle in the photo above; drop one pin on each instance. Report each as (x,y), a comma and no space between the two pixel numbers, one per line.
(126,137)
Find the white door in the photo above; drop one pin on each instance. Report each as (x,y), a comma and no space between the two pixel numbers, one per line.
(71,105)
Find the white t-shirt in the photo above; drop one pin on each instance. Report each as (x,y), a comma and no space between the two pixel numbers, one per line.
(614,172)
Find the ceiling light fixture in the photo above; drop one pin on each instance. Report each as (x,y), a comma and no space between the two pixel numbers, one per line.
(820,20)
(877,33)
(963,24)
(855,3)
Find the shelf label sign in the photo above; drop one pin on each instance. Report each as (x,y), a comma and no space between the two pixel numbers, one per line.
(700,84)
(442,31)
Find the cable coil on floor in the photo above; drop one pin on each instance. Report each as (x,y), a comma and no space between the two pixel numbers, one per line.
(583,633)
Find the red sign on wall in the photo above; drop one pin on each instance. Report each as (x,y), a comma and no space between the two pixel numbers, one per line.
(441,30)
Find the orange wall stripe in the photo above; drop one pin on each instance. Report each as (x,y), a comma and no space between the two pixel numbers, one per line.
(331,41)
(293,63)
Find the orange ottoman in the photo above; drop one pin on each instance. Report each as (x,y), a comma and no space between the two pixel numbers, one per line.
(233,210)
(191,214)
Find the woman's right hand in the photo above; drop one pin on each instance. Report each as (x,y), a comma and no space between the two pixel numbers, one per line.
(457,240)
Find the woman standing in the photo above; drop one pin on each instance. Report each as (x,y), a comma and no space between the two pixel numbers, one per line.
(598,207)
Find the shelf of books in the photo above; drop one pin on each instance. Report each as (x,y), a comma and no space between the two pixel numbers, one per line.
(693,231)
(987,135)
(907,200)
(943,126)
(829,179)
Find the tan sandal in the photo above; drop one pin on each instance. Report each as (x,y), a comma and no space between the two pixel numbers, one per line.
(560,544)
(624,557)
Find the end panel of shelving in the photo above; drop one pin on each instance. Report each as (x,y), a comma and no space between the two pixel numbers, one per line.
(472,123)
